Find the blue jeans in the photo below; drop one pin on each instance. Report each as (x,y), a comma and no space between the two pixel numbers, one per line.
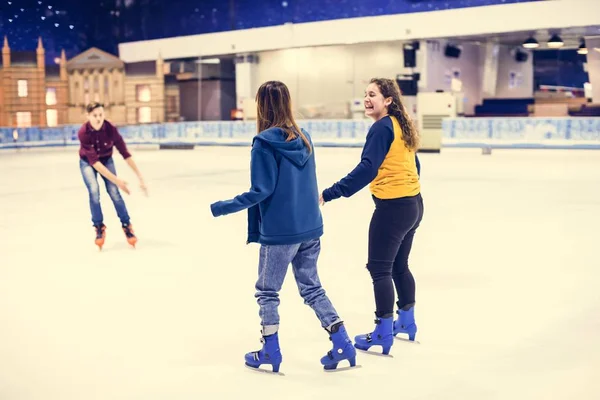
(273,265)
(90,174)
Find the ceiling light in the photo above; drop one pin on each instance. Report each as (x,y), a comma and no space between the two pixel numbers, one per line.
(555,42)
(582,48)
(531,43)
(208,61)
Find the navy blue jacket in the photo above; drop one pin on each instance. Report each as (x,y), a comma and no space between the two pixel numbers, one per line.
(283,200)
(378,143)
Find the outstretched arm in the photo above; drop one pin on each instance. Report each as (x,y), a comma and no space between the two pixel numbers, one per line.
(133,166)
(263,177)
(377,145)
(122,148)
(105,172)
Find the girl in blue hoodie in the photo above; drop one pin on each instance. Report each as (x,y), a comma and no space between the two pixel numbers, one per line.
(284,217)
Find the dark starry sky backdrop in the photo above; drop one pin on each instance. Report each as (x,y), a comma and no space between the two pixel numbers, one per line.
(76,25)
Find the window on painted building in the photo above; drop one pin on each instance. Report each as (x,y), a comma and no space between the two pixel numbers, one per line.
(23,119)
(51,96)
(52,117)
(144,115)
(75,98)
(171,104)
(22,88)
(86,99)
(86,84)
(143,93)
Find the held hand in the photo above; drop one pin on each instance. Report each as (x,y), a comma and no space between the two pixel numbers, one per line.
(321,201)
(121,184)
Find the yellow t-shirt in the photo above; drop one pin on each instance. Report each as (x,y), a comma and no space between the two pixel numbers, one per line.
(387,166)
(397,176)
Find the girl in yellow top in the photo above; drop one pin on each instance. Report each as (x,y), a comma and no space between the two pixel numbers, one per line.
(391,168)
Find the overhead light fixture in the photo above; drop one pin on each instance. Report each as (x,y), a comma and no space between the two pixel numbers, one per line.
(531,43)
(582,48)
(555,42)
(208,61)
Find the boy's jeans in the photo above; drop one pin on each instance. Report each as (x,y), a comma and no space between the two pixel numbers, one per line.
(90,174)
(273,265)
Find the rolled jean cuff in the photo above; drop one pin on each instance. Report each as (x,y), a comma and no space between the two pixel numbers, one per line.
(268,330)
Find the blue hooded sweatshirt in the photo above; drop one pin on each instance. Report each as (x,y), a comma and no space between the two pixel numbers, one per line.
(283,200)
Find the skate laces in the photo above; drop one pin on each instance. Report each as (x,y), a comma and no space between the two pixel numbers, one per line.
(262,341)
(99,231)
(128,231)
(369,336)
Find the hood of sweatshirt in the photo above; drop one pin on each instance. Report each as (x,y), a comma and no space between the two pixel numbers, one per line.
(295,150)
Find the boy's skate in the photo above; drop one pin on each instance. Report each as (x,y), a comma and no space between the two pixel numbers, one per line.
(100,235)
(131,239)
(342,349)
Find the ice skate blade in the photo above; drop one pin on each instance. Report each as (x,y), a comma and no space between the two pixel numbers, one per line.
(407,340)
(342,369)
(264,371)
(375,353)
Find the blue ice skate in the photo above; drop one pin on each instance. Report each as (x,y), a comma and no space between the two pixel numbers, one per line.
(270,354)
(342,348)
(406,323)
(381,336)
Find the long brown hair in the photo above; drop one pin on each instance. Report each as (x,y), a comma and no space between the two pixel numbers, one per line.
(389,88)
(274,109)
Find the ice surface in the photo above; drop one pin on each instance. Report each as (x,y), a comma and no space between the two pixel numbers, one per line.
(506,263)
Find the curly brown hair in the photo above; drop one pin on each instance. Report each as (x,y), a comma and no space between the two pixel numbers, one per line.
(389,88)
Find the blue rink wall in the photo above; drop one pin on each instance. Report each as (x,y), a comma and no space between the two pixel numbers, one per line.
(564,133)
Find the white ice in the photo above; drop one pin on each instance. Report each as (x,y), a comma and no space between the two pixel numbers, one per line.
(506,263)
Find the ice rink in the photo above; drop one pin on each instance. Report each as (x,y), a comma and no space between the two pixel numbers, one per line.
(506,262)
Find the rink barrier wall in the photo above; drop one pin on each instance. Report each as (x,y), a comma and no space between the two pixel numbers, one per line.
(560,133)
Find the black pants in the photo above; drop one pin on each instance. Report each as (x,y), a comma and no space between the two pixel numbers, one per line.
(391,234)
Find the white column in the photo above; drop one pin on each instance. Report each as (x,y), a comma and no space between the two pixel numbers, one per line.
(593,66)
(490,69)
(245,76)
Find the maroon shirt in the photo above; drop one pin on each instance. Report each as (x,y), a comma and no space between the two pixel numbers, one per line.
(98,145)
